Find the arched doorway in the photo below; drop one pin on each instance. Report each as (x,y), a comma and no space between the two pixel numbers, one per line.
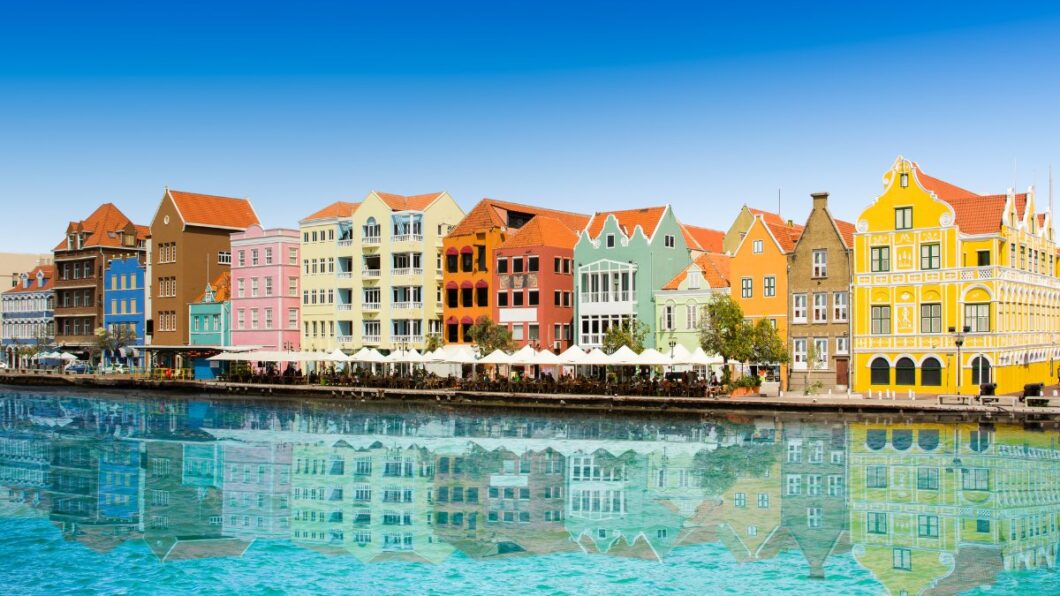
(981,372)
(905,372)
(881,371)
(931,372)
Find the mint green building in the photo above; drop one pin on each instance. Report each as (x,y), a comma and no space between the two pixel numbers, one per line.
(621,259)
(210,315)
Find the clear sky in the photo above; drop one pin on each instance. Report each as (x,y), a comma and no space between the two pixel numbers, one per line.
(590,107)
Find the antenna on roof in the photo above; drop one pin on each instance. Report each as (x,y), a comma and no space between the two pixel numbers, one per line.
(1052,214)
(778,200)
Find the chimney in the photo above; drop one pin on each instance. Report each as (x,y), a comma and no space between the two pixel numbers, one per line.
(820,200)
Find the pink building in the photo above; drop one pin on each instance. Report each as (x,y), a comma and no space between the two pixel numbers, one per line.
(265,279)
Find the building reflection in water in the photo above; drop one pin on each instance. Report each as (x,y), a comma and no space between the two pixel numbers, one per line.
(925,507)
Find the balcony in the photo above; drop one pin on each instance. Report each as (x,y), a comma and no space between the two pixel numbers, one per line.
(75,311)
(408,305)
(371,240)
(344,274)
(398,340)
(344,339)
(369,306)
(407,238)
(406,271)
(371,273)
(344,243)
(343,307)
(371,340)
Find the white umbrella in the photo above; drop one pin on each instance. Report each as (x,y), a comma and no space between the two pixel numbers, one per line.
(228,357)
(547,358)
(573,355)
(622,356)
(458,354)
(368,355)
(338,356)
(496,357)
(700,358)
(680,355)
(596,357)
(67,356)
(396,356)
(525,356)
(414,357)
(651,357)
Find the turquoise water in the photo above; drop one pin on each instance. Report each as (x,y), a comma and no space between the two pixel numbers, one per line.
(173,496)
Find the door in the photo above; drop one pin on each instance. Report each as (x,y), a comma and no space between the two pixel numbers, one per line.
(841,371)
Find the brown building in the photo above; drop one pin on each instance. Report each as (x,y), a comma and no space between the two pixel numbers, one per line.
(732,238)
(190,247)
(79,263)
(819,271)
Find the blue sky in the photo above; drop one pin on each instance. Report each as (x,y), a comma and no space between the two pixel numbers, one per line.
(590,107)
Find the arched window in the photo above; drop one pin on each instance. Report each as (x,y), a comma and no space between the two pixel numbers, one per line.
(881,372)
(901,439)
(931,372)
(905,372)
(979,440)
(928,440)
(980,370)
(875,439)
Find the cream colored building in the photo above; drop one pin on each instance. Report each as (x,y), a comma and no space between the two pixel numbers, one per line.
(372,272)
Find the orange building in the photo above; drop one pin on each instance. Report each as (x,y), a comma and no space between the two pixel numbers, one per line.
(469,258)
(760,279)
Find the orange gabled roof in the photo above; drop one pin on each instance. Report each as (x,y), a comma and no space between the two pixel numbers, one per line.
(543,230)
(1041,219)
(786,235)
(715,268)
(942,189)
(336,209)
(647,218)
(703,239)
(102,228)
(222,289)
(407,203)
(49,272)
(982,214)
(491,213)
(846,232)
(212,211)
(768,216)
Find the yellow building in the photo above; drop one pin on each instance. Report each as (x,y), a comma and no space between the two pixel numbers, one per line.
(936,265)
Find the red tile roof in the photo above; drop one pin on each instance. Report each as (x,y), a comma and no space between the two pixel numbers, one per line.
(213,211)
(703,239)
(975,214)
(543,230)
(101,228)
(768,216)
(491,213)
(846,232)
(222,288)
(647,218)
(336,209)
(715,268)
(407,203)
(49,272)
(942,189)
(786,235)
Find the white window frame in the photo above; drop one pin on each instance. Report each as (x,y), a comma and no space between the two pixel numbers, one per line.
(757,247)
(820,307)
(840,307)
(820,263)
(798,308)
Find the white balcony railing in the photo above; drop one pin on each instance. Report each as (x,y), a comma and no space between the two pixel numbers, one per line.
(603,297)
(344,274)
(344,339)
(344,243)
(369,306)
(407,305)
(371,339)
(374,240)
(371,272)
(406,271)
(411,339)
(343,306)
(407,238)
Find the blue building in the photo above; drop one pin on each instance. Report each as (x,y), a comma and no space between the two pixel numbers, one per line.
(119,480)
(123,306)
(27,314)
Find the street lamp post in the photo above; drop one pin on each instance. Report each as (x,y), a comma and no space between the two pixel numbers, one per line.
(673,344)
(958,340)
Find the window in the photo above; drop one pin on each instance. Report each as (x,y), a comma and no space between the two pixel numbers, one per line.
(881,320)
(769,286)
(931,318)
(224,258)
(757,247)
(798,308)
(763,500)
(839,307)
(876,477)
(983,258)
(668,317)
(927,478)
(798,352)
(905,372)
(903,559)
(880,371)
(880,259)
(927,526)
(930,256)
(502,265)
(977,317)
(903,218)
(980,370)
(820,345)
(982,526)
(931,372)
(531,298)
(745,287)
(502,298)
(820,308)
(740,500)
(610,241)
(820,263)
(813,517)
(669,241)
(876,522)
(793,485)
(842,345)
(975,479)
(691,316)
(532,264)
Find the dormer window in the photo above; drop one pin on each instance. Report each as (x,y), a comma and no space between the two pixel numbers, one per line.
(695,279)
(903,179)
(71,242)
(610,241)
(669,241)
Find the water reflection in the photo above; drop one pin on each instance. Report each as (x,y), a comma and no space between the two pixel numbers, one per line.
(924,508)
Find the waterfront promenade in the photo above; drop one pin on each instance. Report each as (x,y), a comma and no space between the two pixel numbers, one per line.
(1007,406)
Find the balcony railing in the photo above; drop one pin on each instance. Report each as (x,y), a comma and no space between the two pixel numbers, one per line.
(344,274)
(344,243)
(407,305)
(371,272)
(406,271)
(374,240)
(371,339)
(344,339)
(602,297)
(407,238)
(343,306)
(412,339)
(369,306)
